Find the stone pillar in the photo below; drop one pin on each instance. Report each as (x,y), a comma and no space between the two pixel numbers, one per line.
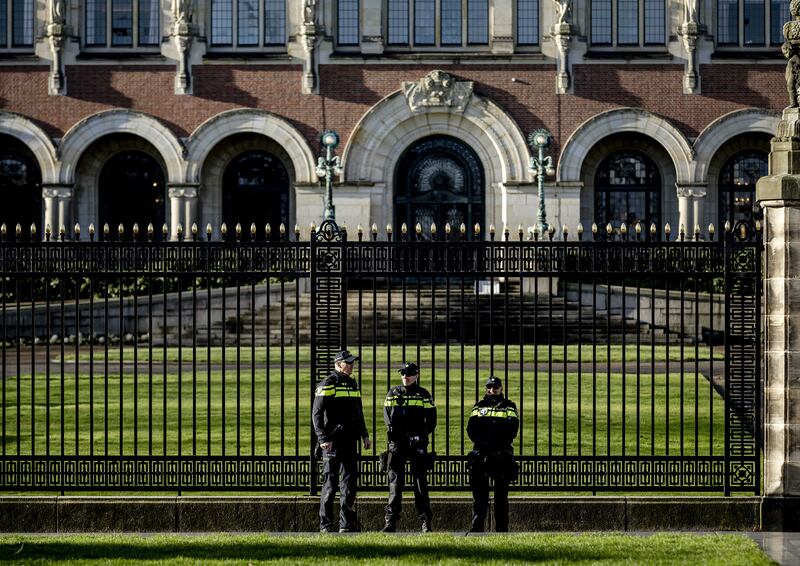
(684,207)
(779,195)
(690,207)
(183,208)
(57,205)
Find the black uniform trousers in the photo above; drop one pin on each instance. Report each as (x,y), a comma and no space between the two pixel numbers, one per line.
(480,472)
(338,463)
(397,473)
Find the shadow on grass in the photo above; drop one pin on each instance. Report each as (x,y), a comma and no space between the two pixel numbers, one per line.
(525,548)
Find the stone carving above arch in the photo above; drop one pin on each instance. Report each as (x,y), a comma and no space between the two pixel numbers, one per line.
(389,127)
(92,128)
(619,120)
(40,144)
(726,127)
(243,120)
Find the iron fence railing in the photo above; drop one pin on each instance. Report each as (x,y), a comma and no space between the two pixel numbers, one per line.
(130,364)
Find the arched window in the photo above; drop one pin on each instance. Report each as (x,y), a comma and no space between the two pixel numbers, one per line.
(131,190)
(737,185)
(255,190)
(439,180)
(627,189)
(20,190)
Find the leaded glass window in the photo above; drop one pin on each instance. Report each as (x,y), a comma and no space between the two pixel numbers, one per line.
(628,23)
(16,23)
(122,23)
(347,17)
(528,22)
(248,23)
(751,23)
(445,23)
(737,185)
(627,189)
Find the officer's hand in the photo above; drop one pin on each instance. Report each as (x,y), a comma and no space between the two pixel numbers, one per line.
(367,443)
(326,446)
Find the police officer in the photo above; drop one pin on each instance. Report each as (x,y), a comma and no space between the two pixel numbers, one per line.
(410,417)
(493,425)
(339,424)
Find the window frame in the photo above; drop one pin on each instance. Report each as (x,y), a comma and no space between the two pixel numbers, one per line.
(411,43)
(349,46)
(642,29)
(769,42)
(9,46)
(109,46)
(528,46)
(234,46)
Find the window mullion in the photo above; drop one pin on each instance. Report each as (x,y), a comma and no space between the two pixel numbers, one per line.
(437,27)
(109,26)
(135,23)
(640,22)
(235,24)
(740,22)
(412,23)
(261,24)
(614,27)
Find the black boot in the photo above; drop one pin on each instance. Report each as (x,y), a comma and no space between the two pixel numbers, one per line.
(391,525)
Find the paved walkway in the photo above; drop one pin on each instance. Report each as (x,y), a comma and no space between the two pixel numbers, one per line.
(783,548)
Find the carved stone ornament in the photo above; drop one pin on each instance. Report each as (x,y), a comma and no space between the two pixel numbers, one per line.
(791,50)
(438,89)
(57,35)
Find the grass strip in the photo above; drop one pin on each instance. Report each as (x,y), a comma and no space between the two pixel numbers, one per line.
(373,548)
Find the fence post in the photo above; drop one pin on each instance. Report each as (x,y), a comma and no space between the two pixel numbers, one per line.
(779,195)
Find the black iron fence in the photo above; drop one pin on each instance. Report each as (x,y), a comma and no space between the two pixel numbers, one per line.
(130,364)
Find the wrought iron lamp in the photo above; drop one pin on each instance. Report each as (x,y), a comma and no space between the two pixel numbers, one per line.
(540,166)
(327,167)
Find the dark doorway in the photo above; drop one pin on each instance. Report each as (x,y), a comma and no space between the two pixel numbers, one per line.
(21,189)
(255,190)
(132,191)
(439,180)
(737,186)
(627,189)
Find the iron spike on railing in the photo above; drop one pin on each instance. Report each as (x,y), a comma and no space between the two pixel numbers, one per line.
(135,231)
(360,232)
(268,230)
(667,231)
(477,229)
(743,231)
(520,232)
(447,230)
(551,231)
(47,232)
(623,230)
(535,232)
(682,232)
(491,232)
(223,230)
(106,231)
(120,230)
(343,227)
(18,231)
(33,231)
(195,231)
(91,232)
(3,231)
(297,231)
(595,230)
(150,231)
(711,231)
(433,230)
(62,232)
(579,230)
(506,233)
(209,231)
(374,231)
(165,231)
(463,230)
(238,230)
(696,232)
(179,231)
(638,229)
(77,231)
(418,230)
(389,231)
(282,231)
(253,231)
(565,232)
(609,231)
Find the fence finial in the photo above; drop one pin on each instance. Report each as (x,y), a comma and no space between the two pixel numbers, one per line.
(33,230)
(164,230)
(743,231)
(297,230)
(565,231)
(267,230)
(506,232)
(520,232)
(135,230)
(195,230)
(491,231)
(253,230)
(667,230)
(389,229)
(682,232)
(477,228)
(404,229)
(282,229)
(462,228)
(433,228)
(238,229)
(623,229)
(3,229)
(106,229)
(418,228)
(638,229)
(150,230)
(76,230)
(47,231)
(179,230)
(18,230)
(447,228)
(91,231)
(579,230)
(374,229)
(594,229)
(609,229)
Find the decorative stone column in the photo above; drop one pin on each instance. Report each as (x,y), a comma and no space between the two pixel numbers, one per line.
(57,204)
(779,195)
(183,208)
(309,34)
(562,35)
(690,207)
(57,33)
(183,32)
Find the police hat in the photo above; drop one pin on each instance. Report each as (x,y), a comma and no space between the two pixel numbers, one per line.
(409,368)
(494,382)
(345,356)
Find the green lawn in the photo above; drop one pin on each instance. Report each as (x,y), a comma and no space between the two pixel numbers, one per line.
(724,550)
(601,353)
(561,413)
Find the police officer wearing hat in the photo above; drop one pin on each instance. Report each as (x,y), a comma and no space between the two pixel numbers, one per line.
(493,425)
(410,417)
(339,424)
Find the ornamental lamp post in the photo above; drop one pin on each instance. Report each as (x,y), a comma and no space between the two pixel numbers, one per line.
(327,167)
(541,166)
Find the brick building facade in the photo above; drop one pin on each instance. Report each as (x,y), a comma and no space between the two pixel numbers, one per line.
(211,111)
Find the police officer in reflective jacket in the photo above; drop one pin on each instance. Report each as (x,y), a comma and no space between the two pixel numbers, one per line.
(410,417)
(493,425)
(339,424)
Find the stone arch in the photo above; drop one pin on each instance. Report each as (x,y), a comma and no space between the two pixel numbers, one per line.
(621,120)
(90,164)
(244,120)
(34,138)
(90,129)
(389,127)
(725,128)
(625,142)
(216,162)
